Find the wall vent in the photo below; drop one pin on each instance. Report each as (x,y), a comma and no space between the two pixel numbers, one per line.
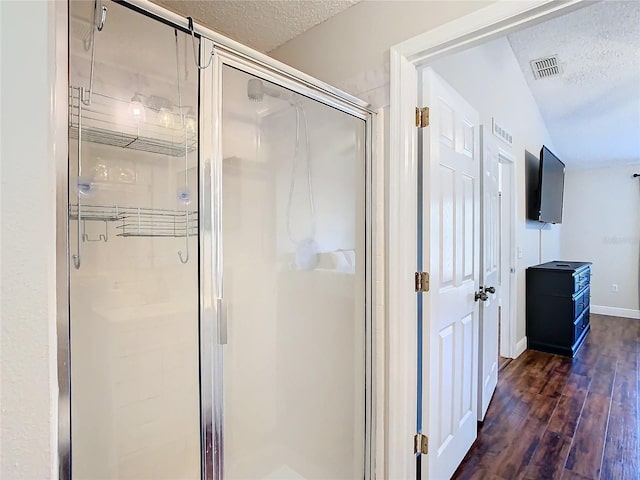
(545,67)
(501,133)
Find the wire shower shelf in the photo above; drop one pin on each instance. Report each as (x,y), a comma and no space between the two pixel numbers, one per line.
(107,121)
(140,222)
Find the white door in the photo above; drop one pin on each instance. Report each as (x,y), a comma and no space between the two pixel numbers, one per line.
(489,268)
(451,219)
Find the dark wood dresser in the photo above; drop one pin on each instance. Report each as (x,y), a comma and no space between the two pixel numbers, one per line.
(558,295)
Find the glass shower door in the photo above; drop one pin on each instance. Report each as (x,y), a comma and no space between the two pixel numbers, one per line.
(134,301)
(293,233)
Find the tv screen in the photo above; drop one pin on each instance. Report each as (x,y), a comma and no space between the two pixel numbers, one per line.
(550,187)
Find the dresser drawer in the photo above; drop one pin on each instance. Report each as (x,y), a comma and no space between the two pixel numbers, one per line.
(581,302)
(581,279)
(580,325)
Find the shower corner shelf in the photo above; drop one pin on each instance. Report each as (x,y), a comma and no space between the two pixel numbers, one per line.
(106,121)
(140,222)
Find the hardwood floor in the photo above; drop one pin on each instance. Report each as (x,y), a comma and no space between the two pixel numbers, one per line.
(503,362)
(554,417)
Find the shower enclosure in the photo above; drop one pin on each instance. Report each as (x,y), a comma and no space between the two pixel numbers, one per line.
(219,259)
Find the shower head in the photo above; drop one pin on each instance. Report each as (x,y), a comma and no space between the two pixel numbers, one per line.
(256,90)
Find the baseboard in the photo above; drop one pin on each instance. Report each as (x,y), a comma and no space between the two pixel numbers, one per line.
(521,346)
(615,311)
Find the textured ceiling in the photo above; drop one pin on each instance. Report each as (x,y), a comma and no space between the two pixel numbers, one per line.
(592,109)
(261,24)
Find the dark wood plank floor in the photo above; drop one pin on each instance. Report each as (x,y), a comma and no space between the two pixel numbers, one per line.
(554,417)
(503,362)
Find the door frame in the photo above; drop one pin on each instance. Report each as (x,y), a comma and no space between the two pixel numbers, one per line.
(406,58)
(507,347)
(212,155)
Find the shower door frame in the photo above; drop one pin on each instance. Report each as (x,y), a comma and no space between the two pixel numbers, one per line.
(222,51)
(223,56)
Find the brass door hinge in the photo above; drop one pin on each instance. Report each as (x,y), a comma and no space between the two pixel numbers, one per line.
(422,281)
(420,444)
(422,117)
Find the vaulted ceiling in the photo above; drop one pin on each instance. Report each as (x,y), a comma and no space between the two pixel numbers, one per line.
(592,107)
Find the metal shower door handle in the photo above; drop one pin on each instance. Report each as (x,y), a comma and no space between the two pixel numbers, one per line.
(222,318)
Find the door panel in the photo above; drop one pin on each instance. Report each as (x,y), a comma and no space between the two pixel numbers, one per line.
(489,268)
(447,229)
(451,219)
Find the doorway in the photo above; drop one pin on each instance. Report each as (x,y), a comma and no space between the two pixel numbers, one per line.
(407,61)
(507,270)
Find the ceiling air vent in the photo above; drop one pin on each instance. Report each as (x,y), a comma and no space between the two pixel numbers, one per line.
(545,67)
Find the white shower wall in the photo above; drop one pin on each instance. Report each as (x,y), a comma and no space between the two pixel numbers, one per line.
(134,313)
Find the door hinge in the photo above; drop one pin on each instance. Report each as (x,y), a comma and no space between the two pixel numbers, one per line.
(422,281)
(420,444)
(422,117)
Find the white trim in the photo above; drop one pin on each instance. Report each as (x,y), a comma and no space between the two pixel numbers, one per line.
(401,264)
(615,311)
(492,21)
(60,212)
(379,317)
(521,346)
(497,19)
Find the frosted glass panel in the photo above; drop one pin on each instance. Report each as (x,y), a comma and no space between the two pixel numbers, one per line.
(294,244)
(133,302)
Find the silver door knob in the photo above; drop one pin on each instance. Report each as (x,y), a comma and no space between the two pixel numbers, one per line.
(481,296)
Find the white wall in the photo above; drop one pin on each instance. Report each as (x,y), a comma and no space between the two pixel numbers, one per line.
(351,49)
(489,77)
(28,198)
(602,225)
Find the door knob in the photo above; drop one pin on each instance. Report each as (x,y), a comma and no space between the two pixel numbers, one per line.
(480,295)
(490,289)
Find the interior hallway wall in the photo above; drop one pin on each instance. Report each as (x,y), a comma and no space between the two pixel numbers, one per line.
(602,225)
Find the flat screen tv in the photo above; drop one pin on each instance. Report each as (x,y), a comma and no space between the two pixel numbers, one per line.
(548,196)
